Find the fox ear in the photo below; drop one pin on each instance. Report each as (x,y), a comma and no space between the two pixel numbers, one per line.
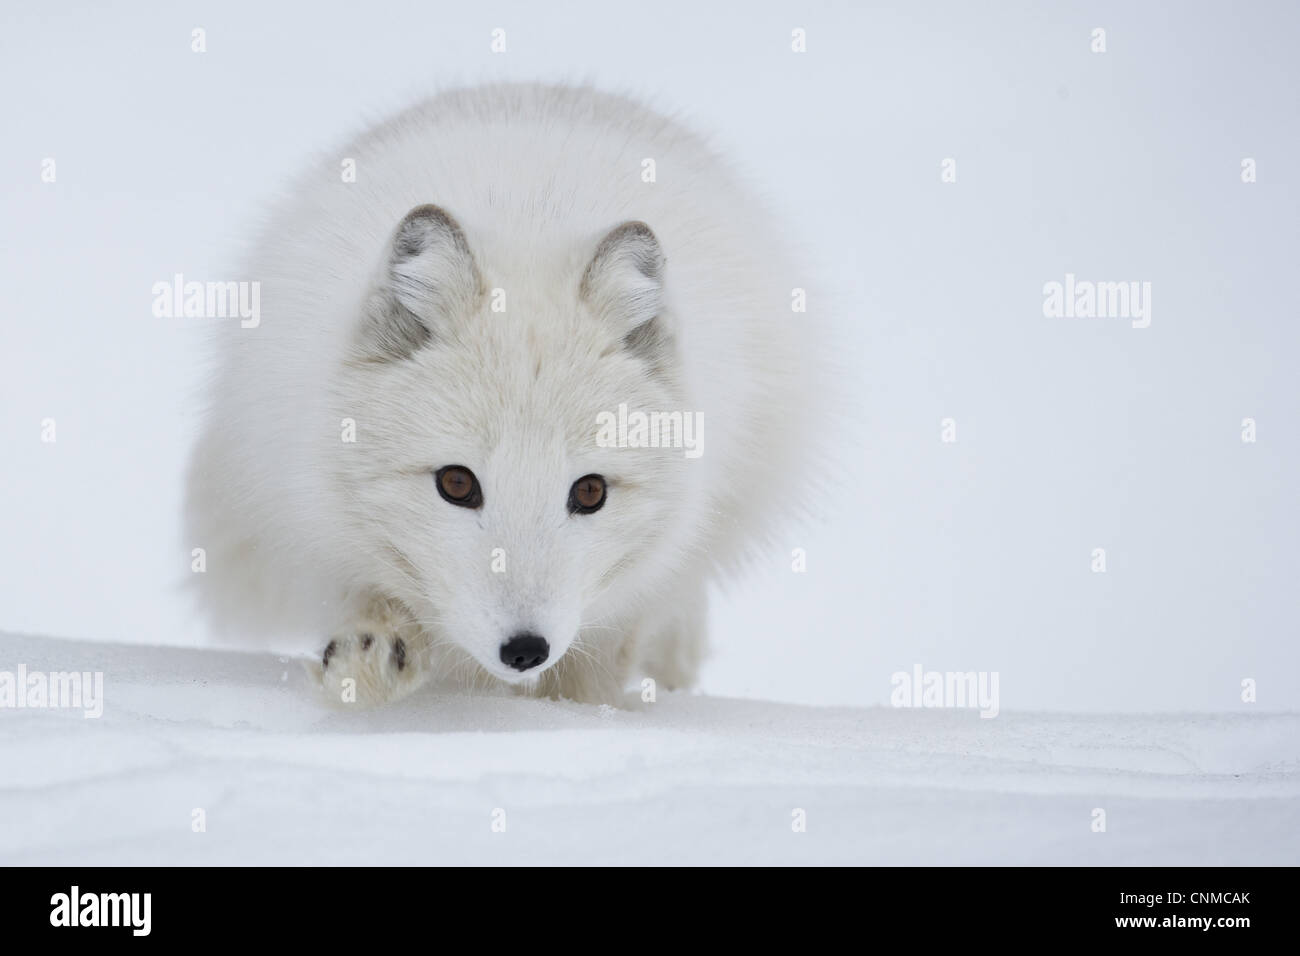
(625,279)
(429,274)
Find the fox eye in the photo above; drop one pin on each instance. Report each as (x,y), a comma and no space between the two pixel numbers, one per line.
(457,484)
(587,495)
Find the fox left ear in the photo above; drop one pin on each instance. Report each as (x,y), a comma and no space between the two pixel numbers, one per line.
(625,279)
(428,276)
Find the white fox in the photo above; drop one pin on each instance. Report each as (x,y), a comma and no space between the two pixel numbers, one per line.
(431,455)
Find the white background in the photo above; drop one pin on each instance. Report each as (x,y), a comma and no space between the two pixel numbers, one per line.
(1072,434)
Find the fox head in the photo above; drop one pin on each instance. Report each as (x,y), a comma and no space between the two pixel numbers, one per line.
(479,490)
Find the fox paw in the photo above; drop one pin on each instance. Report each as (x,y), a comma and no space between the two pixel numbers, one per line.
(372,662)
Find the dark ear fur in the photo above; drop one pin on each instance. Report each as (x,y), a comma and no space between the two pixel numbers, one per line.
(625,279)
(429,274)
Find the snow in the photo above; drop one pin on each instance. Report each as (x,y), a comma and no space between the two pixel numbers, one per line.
(284,778)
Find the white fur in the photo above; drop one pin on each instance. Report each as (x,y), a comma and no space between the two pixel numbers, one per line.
(309,535)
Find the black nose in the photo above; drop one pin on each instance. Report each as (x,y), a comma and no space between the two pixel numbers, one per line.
(523,652)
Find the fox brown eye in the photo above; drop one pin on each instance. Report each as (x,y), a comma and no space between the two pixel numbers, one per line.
(458,485)
(587,495)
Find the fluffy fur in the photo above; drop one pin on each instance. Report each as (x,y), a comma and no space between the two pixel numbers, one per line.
(377,308)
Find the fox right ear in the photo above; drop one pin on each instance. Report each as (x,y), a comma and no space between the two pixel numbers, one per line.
(625,278)
(429,275)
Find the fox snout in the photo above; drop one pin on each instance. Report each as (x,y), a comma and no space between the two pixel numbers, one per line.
(523,652)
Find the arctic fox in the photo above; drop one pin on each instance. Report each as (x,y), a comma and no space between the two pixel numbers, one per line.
(520,389)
